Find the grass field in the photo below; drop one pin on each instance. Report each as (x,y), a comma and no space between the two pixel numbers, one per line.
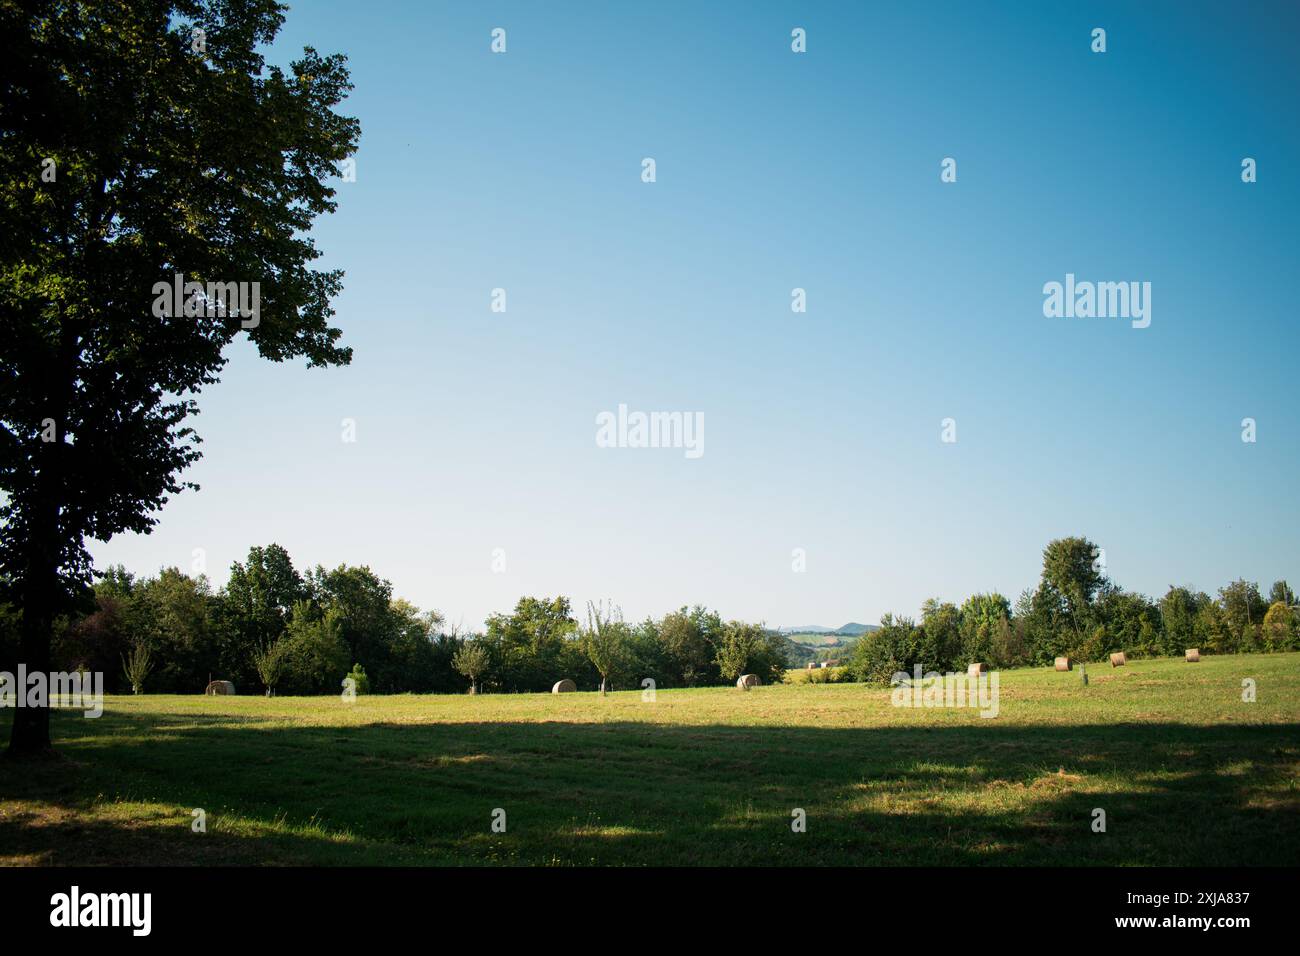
(819,640)
(1186,771)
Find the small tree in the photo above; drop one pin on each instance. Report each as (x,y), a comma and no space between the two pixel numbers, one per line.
(136,666)
(268,661)
(1279,628)
(739,643)
(472,661)
(606,641)
(360,682)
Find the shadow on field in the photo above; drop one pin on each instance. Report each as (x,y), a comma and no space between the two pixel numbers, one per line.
(637,793)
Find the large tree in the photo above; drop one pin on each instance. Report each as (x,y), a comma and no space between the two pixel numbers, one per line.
(530,644)
(262,593)
(141,140)
(1243,610)
(367,622)
(1071,581)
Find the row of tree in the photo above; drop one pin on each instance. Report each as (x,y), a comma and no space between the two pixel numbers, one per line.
(1076,611)
(303,631)
(275,628)
(540,641)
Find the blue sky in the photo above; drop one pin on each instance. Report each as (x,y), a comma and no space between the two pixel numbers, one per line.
(475,430)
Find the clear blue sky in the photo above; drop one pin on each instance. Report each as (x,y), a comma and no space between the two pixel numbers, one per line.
(476,430)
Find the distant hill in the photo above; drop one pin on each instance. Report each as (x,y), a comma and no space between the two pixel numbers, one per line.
(803,648)
(855,630)
(848,630)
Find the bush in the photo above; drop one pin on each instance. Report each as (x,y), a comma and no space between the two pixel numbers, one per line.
(360,682)
(750,649)
(879,655)
(819,675)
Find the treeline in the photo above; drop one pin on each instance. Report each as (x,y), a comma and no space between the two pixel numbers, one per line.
(272,627)
(1076,611)
(302,633)
(541,642)
(317,625)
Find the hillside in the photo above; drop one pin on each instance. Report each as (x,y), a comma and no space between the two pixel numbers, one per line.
(852,629)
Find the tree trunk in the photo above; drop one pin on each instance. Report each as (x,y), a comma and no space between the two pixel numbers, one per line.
(40,586)
(30,734)
(602,687)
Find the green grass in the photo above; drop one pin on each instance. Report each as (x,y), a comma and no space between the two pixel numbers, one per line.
(1187,773)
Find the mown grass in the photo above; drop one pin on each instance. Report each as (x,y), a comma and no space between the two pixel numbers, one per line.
(1186,771)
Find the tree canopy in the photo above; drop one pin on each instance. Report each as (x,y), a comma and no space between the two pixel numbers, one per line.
(142,145)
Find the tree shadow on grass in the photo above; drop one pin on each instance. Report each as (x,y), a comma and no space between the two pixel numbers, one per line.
(633,793)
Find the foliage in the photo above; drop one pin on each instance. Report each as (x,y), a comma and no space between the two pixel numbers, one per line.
(360,682)
(305,631)
(894,647)
(1279,630)
(751,649)
(606,642)
(535,645)
(269,661)
(107,108)
(1074,611)
(315,654)
(472,660)
(136,665)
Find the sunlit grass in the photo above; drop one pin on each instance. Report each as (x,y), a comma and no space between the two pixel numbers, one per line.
(1187,772)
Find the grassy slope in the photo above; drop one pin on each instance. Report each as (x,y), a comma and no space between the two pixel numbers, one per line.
(1187,772)
(818,640)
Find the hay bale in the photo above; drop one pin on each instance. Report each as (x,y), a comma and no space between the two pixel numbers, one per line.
(219,687)
(746,681)
(1193,655)
(1064,664)
(975,670)
(1118,660)
(565,686)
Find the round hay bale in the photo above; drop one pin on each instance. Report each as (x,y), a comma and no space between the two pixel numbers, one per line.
(1064,664)
(565,686)
(219,687)
(746,681)
(975,670)
(1193,655)
(1118,659)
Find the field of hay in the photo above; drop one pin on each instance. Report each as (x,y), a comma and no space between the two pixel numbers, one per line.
(1185,770)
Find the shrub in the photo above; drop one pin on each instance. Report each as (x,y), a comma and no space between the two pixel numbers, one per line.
(879,655)
(360,682)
